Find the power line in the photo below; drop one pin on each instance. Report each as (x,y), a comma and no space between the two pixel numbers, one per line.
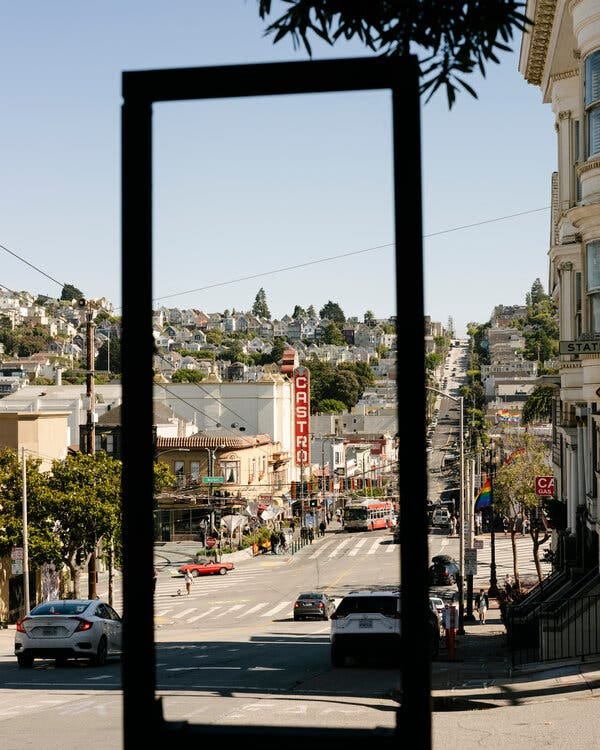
(35,268)
(346,255)
(295,267)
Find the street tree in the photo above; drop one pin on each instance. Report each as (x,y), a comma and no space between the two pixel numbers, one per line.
(515,497)
(538,405)
(84,504)
(451,39)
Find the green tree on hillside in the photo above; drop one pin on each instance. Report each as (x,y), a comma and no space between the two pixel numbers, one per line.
(260,307)
(70,292)
(332,311)
(332,334)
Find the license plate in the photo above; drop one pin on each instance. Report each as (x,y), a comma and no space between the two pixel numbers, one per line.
(365,624)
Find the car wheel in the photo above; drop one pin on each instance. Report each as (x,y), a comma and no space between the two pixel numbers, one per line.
(99,660)
(195,573)
(337,657)
(25,661)
(222,571)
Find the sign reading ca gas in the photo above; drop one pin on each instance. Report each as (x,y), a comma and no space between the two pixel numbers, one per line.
(544,486)
(302,416)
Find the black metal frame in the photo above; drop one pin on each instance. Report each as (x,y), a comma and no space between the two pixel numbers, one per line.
(141,89)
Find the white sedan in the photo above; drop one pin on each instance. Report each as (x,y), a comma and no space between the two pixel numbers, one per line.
(69,629)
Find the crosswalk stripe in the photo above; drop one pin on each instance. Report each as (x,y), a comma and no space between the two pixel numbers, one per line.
(252,610)
(277,609)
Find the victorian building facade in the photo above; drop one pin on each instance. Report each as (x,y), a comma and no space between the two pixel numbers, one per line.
(560,54)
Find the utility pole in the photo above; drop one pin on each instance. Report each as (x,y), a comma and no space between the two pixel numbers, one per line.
(91,426)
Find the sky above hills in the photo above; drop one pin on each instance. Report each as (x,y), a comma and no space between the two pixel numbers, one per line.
(289,194)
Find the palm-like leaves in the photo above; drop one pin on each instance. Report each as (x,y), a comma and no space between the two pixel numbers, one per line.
(455,37)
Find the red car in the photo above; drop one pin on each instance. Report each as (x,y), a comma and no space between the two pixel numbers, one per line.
(206,567)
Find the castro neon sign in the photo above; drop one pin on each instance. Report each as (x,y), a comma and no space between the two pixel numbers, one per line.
(302,415)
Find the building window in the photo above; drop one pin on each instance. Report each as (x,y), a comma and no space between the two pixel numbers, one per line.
(592,102)
(179,471)
(578,306)
(230,470)
(576,158)
(194,471)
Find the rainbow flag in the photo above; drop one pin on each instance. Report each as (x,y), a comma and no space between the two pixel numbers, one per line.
(514,454)
(484,496)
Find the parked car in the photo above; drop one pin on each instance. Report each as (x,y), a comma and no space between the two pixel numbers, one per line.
(206,567)
(366,626)
(440,517)
(69,629)
(443,571)
(311,604)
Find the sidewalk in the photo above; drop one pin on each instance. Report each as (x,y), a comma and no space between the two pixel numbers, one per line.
(481,674)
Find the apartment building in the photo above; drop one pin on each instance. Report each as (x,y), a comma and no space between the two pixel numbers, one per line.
(560,54)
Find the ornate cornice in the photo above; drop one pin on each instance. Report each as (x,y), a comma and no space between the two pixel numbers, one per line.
(586,166)
(540,37)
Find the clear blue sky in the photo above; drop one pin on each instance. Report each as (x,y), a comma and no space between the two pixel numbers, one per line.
(244,188)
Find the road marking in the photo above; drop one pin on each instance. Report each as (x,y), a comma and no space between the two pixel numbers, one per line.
(253,609)
(277,609)
(356,549)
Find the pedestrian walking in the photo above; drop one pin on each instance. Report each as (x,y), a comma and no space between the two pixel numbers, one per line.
(282,542)
(322,527)
(311,534)
(274,539)
(482,604)
(188,582)
(292,526)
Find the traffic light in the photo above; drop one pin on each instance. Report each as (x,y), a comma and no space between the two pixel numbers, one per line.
(313,502)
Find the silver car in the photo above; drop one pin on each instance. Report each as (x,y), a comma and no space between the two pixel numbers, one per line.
(69,629)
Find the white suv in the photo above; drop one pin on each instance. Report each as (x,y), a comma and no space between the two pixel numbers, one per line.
(363,623)
(366,626)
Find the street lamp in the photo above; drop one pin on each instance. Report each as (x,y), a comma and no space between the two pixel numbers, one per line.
(463,525)
(493,589)
(25,538)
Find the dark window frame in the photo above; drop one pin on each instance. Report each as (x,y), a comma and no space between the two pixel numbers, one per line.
(141,89)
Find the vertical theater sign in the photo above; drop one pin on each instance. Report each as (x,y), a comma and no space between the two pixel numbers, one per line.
(302,418)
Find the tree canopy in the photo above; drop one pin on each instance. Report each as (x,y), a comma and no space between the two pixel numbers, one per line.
(455,38)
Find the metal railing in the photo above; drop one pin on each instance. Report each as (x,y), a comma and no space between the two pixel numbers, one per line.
(556,629)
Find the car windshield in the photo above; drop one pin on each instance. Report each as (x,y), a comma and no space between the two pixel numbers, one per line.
(310,596)
(68,607)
